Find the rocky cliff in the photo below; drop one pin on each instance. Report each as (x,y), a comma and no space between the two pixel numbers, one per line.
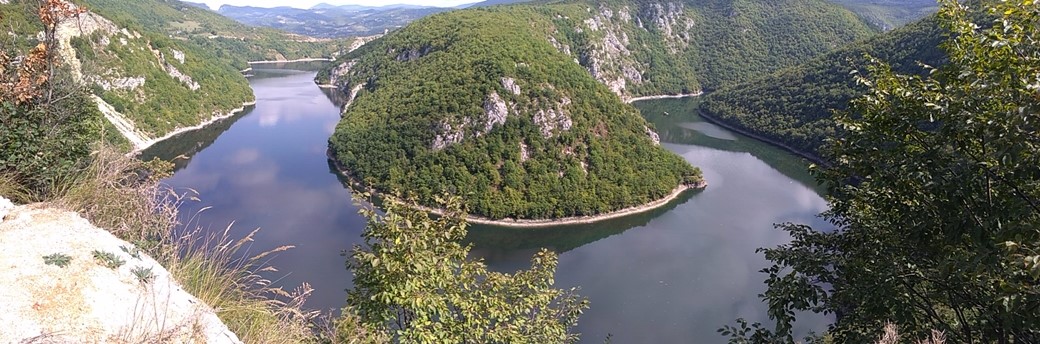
(641,48)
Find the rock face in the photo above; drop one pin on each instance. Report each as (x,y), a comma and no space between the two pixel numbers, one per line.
(608,56)
(85,301)
(496,111)
(554,120)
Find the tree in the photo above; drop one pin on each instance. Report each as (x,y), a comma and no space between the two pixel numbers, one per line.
(413,279)
(47,122)
(935,196)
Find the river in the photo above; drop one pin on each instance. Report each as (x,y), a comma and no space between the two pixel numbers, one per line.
(675,274)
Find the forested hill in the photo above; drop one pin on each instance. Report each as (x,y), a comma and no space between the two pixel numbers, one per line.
(641,48)
(794,106)
(480,104)
(159,64)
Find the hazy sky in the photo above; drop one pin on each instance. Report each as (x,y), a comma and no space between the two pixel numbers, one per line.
(309,3)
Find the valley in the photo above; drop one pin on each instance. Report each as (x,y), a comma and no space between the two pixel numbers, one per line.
(271,158)
(522,171)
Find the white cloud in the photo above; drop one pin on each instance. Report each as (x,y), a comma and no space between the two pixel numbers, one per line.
(308,3)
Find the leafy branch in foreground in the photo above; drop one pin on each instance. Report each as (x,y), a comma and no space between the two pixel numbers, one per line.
(936,196)
(413,279)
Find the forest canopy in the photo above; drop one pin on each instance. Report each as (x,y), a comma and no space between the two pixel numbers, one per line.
(518,130)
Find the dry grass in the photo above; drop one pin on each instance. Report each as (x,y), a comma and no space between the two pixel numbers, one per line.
(258,313)
(118,194)
(890,335)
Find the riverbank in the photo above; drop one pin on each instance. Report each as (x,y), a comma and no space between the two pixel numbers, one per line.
(808,156)
(538,223)
(664,96)
(576,220)
(139,148)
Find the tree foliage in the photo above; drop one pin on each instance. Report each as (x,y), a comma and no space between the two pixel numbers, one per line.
(566,146)
(135,65)
(936,195)
(47,123)
(795,106)
(414,280)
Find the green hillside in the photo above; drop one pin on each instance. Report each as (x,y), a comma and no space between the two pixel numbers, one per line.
(794,106)
(518,129)
(211,31)
(641,48)
(159,65)
(530,129)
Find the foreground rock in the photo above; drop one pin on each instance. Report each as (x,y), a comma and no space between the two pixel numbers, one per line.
(85,301)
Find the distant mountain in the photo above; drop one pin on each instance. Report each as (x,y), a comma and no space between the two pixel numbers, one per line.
(196,4)
(890,14)
(327,21)
(493,3)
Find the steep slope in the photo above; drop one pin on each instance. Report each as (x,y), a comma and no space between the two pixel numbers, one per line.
(641,48)
(156,66)
(518,129)
(794,106)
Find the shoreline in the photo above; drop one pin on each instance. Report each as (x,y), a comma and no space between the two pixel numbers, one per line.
(308,59)
(138,149)
(808,156)
(576,220)
(536,223)
(147,144)
(664,96)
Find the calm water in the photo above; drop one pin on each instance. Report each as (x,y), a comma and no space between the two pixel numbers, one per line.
(671,275)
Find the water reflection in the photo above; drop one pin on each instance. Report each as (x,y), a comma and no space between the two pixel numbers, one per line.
(181,148)
(268,170)
(674,274)
(677,121)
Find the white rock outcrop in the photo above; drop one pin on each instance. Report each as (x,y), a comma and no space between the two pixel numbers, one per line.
(495,111)
(554,120)
(341,72)
(449,134)
(510,84)
(652,135)
(609,59)
(178,55)
(85,301)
